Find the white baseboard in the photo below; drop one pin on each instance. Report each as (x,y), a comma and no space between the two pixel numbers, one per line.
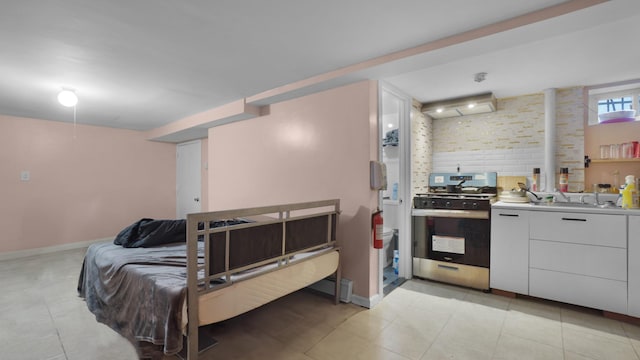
(328,286)
(369,303)
(49,249)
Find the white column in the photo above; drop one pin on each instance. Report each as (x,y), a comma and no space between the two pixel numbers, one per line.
(550,139)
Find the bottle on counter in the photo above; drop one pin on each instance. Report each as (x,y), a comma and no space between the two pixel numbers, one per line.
(615,188)
(535,183)
(630,193)
(564,179)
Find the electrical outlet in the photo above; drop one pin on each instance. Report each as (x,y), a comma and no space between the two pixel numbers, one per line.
(25,176)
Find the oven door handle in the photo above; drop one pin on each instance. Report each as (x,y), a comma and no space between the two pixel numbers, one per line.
(445,213)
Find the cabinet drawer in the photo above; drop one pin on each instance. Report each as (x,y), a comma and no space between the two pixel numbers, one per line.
(593,229)
(599,261)
(598,293)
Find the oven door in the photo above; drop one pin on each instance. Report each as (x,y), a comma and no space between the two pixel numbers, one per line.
(455,236)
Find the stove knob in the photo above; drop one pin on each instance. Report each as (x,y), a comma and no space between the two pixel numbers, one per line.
(475,205)
(448,204)
(465,205)
(433,204)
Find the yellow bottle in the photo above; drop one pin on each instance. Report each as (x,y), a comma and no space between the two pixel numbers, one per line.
(630,193)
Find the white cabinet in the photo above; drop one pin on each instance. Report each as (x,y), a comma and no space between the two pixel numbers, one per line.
(579,258)
(509,268)
(580,228)
(634,266)
(578,289)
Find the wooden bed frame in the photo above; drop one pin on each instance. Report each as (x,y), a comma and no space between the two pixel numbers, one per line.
(274,235)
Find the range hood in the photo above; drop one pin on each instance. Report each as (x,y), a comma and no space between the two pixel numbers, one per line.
(468,105)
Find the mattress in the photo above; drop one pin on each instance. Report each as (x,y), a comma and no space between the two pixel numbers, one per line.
(264,287)
(162,271)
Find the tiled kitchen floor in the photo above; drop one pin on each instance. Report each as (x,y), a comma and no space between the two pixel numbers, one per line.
(41,317)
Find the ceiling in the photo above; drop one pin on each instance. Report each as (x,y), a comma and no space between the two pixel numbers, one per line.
(143,64)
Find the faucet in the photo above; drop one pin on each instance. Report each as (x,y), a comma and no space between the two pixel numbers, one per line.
(564,196)
(595,196)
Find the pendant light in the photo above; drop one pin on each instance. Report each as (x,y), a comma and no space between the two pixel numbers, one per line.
(67,98)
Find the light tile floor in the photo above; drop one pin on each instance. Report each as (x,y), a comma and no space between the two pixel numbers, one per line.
(41,317)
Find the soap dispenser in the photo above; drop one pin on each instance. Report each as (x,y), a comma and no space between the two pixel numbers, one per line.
(630,193)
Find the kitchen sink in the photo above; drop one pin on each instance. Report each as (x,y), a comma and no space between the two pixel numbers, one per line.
(607,204)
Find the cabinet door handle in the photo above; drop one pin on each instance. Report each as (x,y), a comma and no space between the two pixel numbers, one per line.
(573,219)
(512,215)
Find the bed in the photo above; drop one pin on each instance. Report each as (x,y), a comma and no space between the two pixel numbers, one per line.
(233,261)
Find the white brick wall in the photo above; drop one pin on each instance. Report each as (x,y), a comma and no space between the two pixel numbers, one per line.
(509,162)
(511,140)
(421,150)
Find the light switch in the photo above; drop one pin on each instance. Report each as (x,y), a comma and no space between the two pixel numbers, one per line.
(25,176)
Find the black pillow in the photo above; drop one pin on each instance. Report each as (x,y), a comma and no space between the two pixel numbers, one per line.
(149,232)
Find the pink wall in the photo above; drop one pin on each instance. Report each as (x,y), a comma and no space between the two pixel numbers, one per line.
(603,134)
(310,148)
(204,179)
(82,188)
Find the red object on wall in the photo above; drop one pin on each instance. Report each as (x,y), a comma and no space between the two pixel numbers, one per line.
(377,225)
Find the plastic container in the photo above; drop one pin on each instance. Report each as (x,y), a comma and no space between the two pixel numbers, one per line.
(604,188)
(394,192)
(564,179)
(630,193)
(614,151)
(627,150)
(616,182)
(619,200)
(535,183)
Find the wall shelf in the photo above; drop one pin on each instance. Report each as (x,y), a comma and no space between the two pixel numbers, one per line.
(611,161)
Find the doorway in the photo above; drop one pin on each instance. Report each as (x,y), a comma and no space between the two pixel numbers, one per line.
(395,147)
(188,178)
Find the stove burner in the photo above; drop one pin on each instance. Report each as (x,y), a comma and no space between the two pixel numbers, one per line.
(457,195)
(478,193)
(454,201)
(465,190)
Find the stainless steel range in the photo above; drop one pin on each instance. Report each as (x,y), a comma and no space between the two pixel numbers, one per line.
(451,228)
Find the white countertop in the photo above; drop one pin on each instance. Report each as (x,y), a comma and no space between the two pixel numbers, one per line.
(557,207)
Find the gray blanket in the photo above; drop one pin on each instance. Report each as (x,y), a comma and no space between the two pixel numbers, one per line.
(138,292)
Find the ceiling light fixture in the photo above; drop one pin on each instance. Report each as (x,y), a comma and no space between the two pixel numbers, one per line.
(67,98)
(481,103)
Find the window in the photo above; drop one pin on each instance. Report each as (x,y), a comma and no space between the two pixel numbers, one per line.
(604,100)
(621,103)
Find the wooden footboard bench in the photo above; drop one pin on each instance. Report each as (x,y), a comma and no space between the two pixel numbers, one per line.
(267,253)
